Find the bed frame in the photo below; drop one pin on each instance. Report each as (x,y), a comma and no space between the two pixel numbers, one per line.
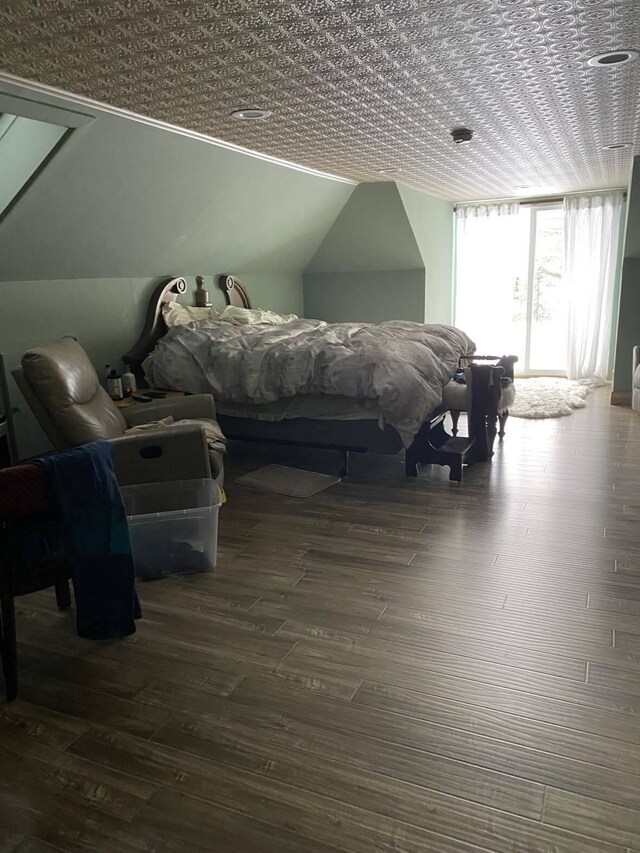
(432,444)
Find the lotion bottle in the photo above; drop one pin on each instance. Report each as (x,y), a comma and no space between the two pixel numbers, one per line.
(129,381)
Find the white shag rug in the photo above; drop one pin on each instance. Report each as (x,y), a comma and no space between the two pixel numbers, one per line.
(547,397)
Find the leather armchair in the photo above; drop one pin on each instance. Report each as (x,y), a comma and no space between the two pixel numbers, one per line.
(62,389)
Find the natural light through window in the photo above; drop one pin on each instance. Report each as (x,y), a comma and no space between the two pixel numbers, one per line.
(544,303)
(510,294)
(537,280)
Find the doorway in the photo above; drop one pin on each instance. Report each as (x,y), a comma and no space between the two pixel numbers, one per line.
(510,290)
(542,298)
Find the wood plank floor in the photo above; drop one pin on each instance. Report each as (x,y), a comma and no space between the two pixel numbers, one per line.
(390,665)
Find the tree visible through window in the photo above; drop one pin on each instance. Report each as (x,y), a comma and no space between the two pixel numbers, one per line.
(548,313)
(542,335)
(510,290)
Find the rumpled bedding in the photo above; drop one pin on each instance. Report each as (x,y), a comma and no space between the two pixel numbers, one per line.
(403,366)
(175,314)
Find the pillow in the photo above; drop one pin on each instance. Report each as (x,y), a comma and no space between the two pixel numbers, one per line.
(175,314)
(254,316)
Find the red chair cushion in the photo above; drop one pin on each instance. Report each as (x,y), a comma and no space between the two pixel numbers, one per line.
(24,490)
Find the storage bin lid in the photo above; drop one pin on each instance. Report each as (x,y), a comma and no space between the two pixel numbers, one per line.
(170,496)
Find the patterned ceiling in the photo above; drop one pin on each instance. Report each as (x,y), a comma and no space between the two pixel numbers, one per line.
(358,86)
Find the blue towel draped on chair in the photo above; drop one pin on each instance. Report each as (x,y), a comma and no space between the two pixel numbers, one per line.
(96,540)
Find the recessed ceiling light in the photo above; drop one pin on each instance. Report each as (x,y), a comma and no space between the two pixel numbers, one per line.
(616,146)
(523,186)
(251,114)
(613,57)
(387,171)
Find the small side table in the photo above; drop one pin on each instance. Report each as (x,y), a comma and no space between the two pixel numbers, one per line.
(129,401)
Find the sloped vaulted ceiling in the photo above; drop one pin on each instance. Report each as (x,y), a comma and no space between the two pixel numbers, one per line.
(357,86)
(124,198)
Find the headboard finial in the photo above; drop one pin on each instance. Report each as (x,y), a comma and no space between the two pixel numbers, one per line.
(174,285)
(234,292)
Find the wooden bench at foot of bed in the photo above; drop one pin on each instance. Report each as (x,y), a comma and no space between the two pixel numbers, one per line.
(434,446)
(507,394)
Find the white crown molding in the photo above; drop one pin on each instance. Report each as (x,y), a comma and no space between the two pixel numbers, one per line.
(97,107)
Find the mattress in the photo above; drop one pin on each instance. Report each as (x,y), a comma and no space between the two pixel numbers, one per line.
(400,365)
(330,407)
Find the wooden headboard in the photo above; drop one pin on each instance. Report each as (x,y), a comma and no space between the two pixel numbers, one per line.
(154,326)
(234,291)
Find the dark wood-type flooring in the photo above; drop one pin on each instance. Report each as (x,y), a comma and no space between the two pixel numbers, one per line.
(390,665)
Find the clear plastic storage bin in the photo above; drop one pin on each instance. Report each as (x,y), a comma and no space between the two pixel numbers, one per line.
(173,526)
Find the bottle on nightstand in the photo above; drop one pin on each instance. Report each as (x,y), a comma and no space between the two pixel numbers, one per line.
(129,385)
(114,385)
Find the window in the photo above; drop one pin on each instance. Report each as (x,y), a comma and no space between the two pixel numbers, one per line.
(25,144)
(510,292)
(541,301)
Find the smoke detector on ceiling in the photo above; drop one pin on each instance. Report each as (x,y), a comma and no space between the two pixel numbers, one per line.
(461,134)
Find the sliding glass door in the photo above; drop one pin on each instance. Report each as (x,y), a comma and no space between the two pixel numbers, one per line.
(510,294)
(545,349)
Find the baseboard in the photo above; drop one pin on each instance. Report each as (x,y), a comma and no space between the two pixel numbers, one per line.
(621,398)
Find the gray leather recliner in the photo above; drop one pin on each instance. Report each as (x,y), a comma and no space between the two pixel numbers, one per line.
(62,389)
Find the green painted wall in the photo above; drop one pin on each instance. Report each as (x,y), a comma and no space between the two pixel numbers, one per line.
(387,256)
(616,295)
(433,227)
(629,313)
(372,232)
(122,198)
(632,240)
(105,315)
(628,324)
(281,292)
(122,204)
(367,297)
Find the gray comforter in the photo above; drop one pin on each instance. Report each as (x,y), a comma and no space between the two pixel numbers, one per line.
(402,366)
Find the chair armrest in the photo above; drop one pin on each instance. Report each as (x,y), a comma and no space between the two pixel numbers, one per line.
(159,455)
(636,357)
(191,406)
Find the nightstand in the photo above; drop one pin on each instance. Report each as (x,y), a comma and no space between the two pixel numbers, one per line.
(129,401)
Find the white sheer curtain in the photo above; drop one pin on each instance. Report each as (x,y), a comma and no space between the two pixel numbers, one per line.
(489,257)
(591,237)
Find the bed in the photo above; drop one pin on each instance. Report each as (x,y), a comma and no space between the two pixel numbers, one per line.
(346,422)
